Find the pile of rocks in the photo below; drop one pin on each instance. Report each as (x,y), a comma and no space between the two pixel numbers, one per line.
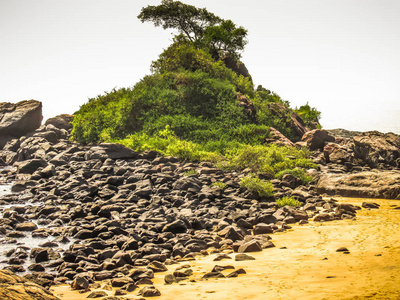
(132,214)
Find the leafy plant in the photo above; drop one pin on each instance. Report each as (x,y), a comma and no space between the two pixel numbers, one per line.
(288,201)
(256,185)
(219,184)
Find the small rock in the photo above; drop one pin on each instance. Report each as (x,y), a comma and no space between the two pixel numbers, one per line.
(149,291)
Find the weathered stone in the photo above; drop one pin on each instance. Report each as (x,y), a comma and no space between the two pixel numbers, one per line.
(317,138)
(251,246)
(149,291)
(20,118)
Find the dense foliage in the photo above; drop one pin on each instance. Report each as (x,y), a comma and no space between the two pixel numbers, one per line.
(194,107)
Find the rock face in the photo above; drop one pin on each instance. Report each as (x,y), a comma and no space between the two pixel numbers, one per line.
(378,149)
(13,287)
(369,184)
(20,118)
(317,138)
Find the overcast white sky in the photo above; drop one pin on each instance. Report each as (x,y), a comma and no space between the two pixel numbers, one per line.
(342,56)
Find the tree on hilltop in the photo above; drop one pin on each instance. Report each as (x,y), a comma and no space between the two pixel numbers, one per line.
(205,30)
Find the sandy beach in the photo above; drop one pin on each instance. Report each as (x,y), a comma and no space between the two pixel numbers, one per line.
(303,265)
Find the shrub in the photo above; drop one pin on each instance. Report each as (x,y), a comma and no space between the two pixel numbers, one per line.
(219,184)
(288,201)
(256,185)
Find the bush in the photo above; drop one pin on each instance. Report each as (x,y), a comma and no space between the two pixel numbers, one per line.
(219,184)
(287,201)
(256,185)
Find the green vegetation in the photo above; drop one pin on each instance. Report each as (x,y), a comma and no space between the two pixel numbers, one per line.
(255,185)
(289,201)
(198,26)
(310,115)
(196,107)
(219,184)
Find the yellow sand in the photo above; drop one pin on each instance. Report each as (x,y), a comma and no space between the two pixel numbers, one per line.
(309,267)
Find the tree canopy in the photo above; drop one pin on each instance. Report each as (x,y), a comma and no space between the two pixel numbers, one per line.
(202,28)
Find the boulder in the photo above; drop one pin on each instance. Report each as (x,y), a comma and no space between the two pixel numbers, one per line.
(61,121)
(336,154)
(316,139)
(276,137)
(17,119)
(110,150)
(378,149)
(367,184)
(13,287)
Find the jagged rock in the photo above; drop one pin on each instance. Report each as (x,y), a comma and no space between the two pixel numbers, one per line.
(13,287)
(336,154)
(378,149)
(251,246)
(317,138)
(20,118)
(276,137)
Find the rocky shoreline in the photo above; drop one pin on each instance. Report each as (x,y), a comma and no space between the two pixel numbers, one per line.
(130,215)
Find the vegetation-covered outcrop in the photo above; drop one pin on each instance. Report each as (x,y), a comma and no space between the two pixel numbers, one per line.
(198,103)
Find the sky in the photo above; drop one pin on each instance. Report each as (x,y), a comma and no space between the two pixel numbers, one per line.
(340,56)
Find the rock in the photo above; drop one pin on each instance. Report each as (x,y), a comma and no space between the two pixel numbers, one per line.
(61,121)
(378,149)
(367,184)
(30,166)
(80,283)
(243,256)
(371,205)
(20,118)
(334,153)
(276,137)
(177,226)
(236,273)
(262,228)
(27,226)
(169,279)
(213,275)
(317,138)
(110,150)
(13,287)
(149,291)
(97,294)
(342,249)
(251,246)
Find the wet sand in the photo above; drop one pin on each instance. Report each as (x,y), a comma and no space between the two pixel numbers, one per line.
(303,265)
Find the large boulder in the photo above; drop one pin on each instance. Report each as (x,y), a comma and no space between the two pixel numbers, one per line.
(13,287)
(316,139)
(378,149)
(17,119)
(367,184)
(61,121)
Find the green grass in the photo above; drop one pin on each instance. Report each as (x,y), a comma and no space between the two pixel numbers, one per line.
(255,185)
(288,201)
